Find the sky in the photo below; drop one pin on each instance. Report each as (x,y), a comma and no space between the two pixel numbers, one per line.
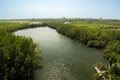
(21,9)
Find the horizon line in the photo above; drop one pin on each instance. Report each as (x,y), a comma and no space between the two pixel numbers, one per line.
(100,18)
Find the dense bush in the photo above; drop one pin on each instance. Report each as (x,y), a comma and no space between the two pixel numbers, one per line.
(97,44)
(116,69)
(9,26)
(112,51)
(18,55)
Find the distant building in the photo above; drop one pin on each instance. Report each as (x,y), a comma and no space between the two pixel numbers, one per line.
(35,22)
(66,22)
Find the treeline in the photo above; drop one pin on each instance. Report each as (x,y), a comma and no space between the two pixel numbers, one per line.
(11,26)
(107,39)
(18,55)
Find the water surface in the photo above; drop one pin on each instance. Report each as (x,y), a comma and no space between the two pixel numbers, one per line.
(62,58)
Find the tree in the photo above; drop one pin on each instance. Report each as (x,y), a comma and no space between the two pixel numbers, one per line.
(18,57)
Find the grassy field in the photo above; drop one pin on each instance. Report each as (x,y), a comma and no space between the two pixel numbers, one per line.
(97,24)
(10,26)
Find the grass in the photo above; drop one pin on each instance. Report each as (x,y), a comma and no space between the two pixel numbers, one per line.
(97,24)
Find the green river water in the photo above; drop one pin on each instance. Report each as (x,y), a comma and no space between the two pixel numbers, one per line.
(62,58)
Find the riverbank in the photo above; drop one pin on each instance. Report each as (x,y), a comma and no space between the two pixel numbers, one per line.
(89,34)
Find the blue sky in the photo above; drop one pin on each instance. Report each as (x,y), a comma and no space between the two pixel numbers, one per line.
(17,9)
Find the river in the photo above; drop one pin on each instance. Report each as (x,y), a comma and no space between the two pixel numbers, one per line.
(62,58)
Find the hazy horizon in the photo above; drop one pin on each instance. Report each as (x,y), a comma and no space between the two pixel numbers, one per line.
(27,9)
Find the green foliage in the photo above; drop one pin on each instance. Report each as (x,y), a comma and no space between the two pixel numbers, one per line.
(97,44)
(9,26)
(112,51)
(18,55)
(116,68)
(108,72)
(101,66)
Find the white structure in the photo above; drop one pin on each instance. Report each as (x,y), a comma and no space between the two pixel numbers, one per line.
(66,22)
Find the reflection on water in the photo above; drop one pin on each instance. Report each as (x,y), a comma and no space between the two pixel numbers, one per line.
(62,58)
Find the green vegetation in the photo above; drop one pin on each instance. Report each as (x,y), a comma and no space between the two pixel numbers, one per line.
(108,72)
(8,26)
(18,55)
(12,26)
